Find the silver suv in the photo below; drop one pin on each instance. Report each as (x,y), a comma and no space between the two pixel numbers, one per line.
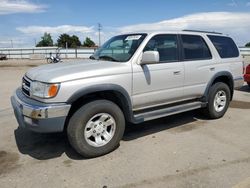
(132,78)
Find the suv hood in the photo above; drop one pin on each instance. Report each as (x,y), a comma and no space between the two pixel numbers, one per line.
(61,72)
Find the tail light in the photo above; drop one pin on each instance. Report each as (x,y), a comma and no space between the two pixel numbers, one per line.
(248,69)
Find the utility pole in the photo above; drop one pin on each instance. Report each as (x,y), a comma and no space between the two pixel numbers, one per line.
(66,46)
(99,32)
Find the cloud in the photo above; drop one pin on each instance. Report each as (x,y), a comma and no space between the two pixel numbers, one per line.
(33,30)
(8,42)
(233,3)
(248,4)
(236,25)
(19,6)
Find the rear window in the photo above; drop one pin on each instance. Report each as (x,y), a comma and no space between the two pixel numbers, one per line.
(195,48)
(225,46)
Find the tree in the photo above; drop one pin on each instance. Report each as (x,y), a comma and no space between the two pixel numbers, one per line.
(46,40)
(72,41)
(247,44)
(75,41)
(88,42)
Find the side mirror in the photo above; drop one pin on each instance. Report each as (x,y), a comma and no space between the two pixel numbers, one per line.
(150,57)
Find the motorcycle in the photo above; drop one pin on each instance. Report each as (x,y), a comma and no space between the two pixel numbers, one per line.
(55,59)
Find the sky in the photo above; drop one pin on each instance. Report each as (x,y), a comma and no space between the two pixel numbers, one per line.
(23,22)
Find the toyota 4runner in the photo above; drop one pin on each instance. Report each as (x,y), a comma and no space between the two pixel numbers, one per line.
(132,78)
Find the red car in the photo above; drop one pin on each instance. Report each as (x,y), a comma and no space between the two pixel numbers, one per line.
(247,75)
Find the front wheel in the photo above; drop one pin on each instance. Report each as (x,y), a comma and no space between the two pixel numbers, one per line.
(96,128)
(218,100)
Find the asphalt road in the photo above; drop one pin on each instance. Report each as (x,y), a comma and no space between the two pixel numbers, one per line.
(184,150)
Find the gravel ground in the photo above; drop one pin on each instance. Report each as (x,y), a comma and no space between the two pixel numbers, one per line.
(184,150)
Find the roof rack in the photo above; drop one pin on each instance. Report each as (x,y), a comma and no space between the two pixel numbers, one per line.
(212,32)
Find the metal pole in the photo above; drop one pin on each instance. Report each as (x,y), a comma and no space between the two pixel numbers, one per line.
(66,45)
(99,33)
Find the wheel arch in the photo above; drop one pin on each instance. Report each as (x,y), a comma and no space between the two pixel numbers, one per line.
(111,92)
(225,77)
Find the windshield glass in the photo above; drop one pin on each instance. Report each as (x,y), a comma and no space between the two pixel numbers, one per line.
(119,48)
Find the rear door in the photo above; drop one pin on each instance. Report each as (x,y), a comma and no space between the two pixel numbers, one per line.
(198,64)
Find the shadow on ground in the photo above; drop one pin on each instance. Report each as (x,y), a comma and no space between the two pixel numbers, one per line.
(48,146)
(178,122)
(44,146)
(244,88)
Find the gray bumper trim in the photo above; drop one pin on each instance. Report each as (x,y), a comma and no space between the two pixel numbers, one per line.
(37,116)
(41,112)
(238,82)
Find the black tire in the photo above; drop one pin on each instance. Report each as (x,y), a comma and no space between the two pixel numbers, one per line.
(248,83)
(78,122)
(210,110)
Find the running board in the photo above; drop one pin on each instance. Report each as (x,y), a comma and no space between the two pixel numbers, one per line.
(158,113)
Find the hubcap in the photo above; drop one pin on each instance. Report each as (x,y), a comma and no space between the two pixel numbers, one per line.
(100,129)
(220,100)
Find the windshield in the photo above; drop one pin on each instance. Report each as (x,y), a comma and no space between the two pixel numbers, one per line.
(119,48)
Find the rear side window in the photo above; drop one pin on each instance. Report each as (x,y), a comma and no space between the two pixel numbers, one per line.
(195,48)
(225,46)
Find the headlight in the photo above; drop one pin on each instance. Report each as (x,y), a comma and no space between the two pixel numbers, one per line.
(43,90)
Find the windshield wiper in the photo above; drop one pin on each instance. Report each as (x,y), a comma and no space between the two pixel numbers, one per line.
(106,57)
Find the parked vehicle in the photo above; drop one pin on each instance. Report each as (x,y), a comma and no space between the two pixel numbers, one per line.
(3,56)
(131,78)
(247,75)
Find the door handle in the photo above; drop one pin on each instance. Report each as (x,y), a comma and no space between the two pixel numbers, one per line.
(177,72)
(212,68)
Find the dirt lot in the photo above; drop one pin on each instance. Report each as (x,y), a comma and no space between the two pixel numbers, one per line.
(184,150)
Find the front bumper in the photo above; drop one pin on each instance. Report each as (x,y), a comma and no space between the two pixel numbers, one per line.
(37,116)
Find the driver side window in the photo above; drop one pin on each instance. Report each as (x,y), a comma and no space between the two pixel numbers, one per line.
(166,45)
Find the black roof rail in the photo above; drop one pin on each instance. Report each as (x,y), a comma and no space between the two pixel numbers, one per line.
(200,31)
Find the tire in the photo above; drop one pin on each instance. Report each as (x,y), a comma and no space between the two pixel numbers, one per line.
(215,109)
(89,121)
(248,83)
(49,60)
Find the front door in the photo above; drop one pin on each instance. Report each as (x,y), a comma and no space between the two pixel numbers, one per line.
(161,83)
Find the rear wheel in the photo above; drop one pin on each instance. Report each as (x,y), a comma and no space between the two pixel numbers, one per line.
(49,60)
(96,128)
(248,83)
(218,100)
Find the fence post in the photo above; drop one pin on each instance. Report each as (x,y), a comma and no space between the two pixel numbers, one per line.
(76,52)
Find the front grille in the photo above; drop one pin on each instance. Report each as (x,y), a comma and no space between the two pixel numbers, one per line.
(26,86)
